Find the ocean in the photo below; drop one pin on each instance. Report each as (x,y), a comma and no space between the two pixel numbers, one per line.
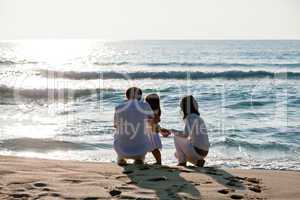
(57,97)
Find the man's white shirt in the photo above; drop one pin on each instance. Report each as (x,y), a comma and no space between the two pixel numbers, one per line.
(131,123)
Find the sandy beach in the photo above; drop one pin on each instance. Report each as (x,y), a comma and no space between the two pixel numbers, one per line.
(27,178)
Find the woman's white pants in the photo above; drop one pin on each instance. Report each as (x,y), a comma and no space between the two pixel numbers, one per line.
(185,151)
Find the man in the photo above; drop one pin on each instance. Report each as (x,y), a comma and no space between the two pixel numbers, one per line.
(131,121)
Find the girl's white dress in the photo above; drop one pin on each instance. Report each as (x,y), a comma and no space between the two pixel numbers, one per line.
(154,140)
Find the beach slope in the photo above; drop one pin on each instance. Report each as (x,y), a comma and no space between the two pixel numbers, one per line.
(26,178)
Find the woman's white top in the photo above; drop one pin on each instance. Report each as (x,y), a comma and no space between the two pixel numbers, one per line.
(195,130)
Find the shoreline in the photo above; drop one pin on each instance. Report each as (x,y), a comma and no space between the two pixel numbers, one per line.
(32,178)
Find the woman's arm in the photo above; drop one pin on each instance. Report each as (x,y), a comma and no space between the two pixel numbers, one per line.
(179,133)
(186,131)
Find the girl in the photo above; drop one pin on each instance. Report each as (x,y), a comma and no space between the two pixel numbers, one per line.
(155,142)
(192,144)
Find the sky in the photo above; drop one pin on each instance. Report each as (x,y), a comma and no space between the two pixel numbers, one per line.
(150,19)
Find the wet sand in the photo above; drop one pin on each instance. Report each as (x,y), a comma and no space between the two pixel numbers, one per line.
(26,178)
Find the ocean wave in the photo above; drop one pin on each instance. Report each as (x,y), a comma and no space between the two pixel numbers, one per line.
(64,93)
(41,145)
(229,142)
(11,95)
(10,62)
(295,102)
(166,64)
(233,74)
(4,62)
(111,63)
(251,115)
(246,104)
(198,64)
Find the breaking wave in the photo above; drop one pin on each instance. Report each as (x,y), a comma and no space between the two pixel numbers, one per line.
(198,64)
(233,74)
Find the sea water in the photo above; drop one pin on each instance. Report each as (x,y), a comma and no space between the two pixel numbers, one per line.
(57,97)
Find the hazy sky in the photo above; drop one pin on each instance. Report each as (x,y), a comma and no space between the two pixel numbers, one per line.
(150,19)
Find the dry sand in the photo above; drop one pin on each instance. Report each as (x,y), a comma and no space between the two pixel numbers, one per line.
(25,178)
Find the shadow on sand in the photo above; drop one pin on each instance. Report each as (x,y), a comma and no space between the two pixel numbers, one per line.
(165,182)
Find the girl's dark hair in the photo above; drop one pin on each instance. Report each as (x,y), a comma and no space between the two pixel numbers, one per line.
(154,102)
(188,106)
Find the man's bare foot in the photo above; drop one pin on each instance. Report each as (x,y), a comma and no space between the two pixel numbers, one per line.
(182,164)
(200,163)
(157,163)
(139,162)
(122,162)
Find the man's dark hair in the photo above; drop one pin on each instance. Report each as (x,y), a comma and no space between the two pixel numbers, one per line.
(134,93)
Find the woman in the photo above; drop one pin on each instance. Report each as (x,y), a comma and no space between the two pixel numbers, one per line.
(192,144)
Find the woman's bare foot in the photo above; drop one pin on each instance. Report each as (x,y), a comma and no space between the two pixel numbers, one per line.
(200,163)
(182,164)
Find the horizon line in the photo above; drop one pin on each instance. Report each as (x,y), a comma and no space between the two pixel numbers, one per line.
(153,39)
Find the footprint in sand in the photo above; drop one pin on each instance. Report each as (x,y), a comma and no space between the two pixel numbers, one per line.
(55,194)
(19,190)
(72,180)
(128,172)
(236,196)
(114,192)
(208,182)
(134,196)
(232,183)
(130,182)
(91,198)
(46,189)
(40,184)
(19,195)
(225,191)
(252,180)
(41,195)
(125,188)
(156,179)
(187,196)
(122,178)
(255,188)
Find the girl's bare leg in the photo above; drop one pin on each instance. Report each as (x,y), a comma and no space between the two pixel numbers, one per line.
(182,164)
(138,162)
(157,156)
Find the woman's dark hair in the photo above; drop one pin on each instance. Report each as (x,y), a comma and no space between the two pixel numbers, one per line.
(154,102)
(188,106)
(134,93)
